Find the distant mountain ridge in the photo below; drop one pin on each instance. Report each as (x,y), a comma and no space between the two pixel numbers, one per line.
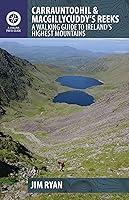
(60,56)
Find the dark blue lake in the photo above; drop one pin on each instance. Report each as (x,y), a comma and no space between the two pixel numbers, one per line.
(76,96)
(78,82)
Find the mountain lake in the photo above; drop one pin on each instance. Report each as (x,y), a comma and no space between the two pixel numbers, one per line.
(76,96)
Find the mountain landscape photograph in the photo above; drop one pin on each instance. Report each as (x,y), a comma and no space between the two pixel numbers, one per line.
(64,113)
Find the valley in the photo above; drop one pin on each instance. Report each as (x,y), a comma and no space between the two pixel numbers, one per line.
(92,140)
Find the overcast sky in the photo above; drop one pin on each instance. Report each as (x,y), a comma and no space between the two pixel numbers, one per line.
(97,45)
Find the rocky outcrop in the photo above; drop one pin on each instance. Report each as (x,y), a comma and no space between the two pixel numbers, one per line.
(9,146)
(2,111)
(6,169)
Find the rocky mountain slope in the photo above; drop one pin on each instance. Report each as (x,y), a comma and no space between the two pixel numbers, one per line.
(20,83)
(17,164)
(18,77)
(13,77)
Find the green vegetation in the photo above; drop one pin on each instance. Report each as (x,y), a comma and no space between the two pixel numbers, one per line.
(7,181)
(92,141)
(14,152)
(112,70)
(27,90)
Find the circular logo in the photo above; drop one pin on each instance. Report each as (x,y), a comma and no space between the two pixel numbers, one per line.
(13,18)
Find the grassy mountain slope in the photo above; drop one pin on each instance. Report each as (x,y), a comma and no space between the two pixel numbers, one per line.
(112,70)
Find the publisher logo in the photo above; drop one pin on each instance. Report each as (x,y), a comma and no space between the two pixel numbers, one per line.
(13,18)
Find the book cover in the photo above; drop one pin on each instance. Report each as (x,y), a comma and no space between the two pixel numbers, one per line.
(64,99)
